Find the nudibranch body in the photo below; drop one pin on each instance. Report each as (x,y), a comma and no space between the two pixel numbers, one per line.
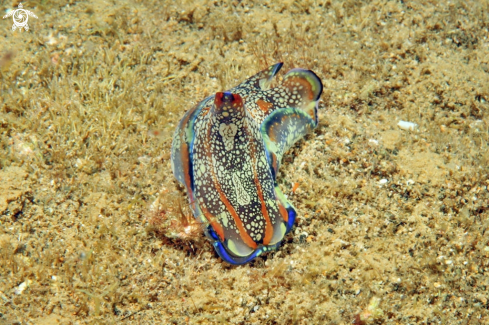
(227,150)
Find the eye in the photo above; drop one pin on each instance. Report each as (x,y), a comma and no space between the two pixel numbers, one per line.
(227,96)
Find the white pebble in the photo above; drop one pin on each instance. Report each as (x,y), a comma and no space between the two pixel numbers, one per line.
(408,126)
(22,287)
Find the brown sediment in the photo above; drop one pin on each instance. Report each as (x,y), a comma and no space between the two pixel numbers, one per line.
(392,224)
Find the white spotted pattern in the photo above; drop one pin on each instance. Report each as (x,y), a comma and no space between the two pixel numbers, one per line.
(222,152)
(242,197)
(227,133)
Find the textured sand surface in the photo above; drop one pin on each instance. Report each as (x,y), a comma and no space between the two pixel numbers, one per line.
(393,223)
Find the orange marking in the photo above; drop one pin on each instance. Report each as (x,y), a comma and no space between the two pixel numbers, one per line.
(307,90)
(312,113)
(242,231)
(264,106)
(274,162)
(212,220)
(205,111)
(268,227)
(218,99)
(271,133)
(295,187)
(238,102)
(283,211)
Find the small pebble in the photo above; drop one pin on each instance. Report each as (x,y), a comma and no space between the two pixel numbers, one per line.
(408,126)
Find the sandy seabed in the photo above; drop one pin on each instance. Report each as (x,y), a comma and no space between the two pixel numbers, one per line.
(393,223)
